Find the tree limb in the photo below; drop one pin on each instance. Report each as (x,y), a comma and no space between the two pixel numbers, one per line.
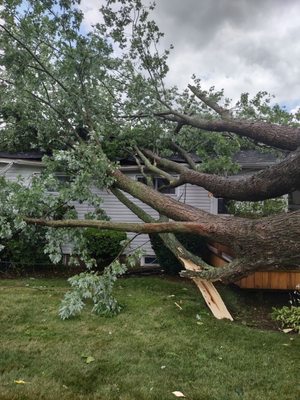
(184,154)
(280,136)
(235,270)
(223,112)
(156,227)
(274,181)
(153,168)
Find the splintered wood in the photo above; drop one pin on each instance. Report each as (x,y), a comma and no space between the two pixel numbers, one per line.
(209,293)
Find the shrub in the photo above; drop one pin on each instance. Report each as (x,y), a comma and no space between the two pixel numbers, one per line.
(194,243)
(288,317)
(102,245)
(25,250)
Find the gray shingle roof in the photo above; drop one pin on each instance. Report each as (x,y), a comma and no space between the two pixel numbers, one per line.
(254,158)
(29,155)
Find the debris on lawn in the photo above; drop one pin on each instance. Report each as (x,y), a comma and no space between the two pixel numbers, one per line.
(178,394)
(88,359)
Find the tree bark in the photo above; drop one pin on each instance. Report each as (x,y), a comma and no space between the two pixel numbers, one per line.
(279,136)
(274,181)
(155,227)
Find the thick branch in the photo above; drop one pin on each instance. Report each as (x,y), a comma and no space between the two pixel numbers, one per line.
(221,229)
(232,272)
(257,244)
(157,227)
(274,181)
(153,168)
(242,267)
(163,204)
(166,163)
(272,244)
(223,112)
(280,136)
(184,154)
(138,211)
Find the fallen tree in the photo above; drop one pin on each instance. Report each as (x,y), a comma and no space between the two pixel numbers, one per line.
(67,93)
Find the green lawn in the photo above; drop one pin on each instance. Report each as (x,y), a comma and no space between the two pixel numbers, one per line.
(148,351)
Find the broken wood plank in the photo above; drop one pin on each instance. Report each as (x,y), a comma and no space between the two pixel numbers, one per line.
(209,293)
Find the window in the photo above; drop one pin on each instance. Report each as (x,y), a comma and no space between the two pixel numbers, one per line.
(223,206)
(294,201)
(158,184)
(150,260)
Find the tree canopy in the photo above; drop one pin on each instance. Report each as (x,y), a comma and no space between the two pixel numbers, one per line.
(90,97)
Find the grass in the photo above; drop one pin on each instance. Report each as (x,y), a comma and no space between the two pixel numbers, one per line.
(148,351)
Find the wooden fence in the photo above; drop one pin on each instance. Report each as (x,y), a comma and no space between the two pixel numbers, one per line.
(220,255)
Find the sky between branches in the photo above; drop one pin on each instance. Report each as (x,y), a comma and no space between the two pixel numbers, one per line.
(238,45)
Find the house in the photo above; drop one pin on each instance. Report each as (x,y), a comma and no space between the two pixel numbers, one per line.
(28,164)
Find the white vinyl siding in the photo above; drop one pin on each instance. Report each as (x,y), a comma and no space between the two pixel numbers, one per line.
(190,194)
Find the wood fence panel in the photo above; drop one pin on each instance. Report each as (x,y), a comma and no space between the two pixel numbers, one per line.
(278,280)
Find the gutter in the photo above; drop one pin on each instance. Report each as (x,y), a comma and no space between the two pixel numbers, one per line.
(41,164)
(256,166)
(21,162)
(130,167)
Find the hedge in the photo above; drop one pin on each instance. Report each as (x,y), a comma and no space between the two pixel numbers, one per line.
(102,245)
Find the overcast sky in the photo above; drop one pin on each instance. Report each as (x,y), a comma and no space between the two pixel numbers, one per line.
(238,45)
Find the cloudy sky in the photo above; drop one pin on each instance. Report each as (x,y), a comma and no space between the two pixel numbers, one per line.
(238,45)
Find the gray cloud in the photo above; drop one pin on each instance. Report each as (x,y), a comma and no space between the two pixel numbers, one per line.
(238,45)
(202,20)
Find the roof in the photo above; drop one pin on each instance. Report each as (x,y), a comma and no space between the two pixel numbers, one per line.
(246,158)
(255,159)
(29,155)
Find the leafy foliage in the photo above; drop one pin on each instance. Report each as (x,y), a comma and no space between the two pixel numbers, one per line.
(256,209)
(288,317)
(26,249)
(97,288)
